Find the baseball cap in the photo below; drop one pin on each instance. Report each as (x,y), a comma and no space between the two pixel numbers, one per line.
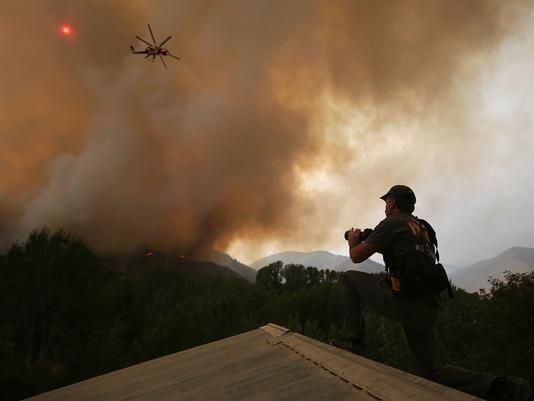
(400,192)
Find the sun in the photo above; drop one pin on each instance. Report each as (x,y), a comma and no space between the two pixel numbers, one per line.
(66,30)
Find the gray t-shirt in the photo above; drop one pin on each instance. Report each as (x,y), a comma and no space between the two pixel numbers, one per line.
(399,237)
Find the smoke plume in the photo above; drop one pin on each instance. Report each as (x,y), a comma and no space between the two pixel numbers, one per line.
(235,142)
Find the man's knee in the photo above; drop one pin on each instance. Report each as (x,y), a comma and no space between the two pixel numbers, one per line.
(355,281)
(353,277)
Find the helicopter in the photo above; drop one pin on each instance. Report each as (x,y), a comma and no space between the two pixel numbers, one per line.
(153,50)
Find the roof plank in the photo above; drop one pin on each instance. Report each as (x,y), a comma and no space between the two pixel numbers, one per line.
(269,363)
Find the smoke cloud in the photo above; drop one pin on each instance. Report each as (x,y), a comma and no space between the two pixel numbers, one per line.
(281,120)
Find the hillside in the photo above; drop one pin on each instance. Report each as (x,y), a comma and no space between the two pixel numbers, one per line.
(131,262)
(320,260)
(475,277)
(223,259)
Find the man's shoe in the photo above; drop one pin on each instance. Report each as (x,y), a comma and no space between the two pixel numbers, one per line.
(355,346)
(509,388)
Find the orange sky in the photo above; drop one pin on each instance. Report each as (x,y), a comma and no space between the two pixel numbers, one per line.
(279,128)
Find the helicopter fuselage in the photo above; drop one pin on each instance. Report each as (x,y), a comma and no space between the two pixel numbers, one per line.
(155,51)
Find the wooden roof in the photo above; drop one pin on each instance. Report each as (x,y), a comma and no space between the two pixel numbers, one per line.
(269,363)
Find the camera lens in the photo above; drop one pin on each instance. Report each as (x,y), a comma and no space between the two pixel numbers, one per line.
(363,235)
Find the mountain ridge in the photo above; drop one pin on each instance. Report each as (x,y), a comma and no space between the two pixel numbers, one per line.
(320,259)
(223,259)
(476,276)
(470,278)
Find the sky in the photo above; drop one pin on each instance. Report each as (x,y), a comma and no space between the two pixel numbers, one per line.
(279,129)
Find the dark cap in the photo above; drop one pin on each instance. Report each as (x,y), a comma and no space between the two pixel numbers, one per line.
(401,192)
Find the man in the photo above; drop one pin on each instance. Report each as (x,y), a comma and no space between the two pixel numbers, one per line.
(408,296)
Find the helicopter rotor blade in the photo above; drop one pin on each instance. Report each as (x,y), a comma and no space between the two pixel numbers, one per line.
(142,40)
(165,41)
(172,55)
(151,34)
(163,61)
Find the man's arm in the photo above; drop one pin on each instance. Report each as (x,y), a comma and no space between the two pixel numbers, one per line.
(358,250)
(361,252)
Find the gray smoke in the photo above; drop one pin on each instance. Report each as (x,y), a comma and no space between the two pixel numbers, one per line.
(125,153)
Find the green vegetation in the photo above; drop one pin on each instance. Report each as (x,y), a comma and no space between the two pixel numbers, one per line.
(67,316)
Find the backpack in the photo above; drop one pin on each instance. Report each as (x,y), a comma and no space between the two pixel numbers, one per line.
(420,273)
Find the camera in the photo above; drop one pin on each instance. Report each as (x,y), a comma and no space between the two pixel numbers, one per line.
(363,234)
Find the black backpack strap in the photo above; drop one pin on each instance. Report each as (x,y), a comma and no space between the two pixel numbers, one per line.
(432,233)
(434,240)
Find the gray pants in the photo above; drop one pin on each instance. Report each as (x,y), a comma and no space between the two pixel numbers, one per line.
(418,318)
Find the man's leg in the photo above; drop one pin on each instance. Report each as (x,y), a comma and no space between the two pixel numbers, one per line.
(359,288)
(418,318)
(353,308)
(423,346)
(424,352)
(475,383)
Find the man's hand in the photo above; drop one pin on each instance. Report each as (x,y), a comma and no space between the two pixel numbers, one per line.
(358,250)
(354,237)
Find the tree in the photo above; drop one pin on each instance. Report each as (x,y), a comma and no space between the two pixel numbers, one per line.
(270,277)
(48,302)
(313,276)
(294,277)
(509,322)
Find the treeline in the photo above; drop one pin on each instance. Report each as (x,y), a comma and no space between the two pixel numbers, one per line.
(67,316)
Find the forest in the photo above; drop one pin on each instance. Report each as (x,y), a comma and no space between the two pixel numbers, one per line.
(67,315)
